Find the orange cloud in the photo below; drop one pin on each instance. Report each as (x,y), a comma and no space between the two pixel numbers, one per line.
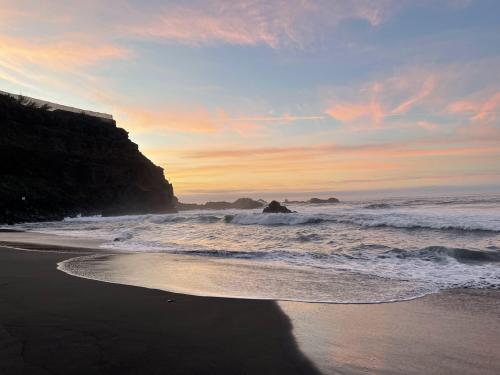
(197,120)
(369,151)
(348,111)
(58,54)
(351,111)
(322,167)
(286,118)
(34,62)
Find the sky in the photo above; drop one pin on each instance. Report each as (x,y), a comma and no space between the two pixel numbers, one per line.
(276,98)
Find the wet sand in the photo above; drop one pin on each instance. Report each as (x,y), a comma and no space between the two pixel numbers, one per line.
(51,322)
(452,332)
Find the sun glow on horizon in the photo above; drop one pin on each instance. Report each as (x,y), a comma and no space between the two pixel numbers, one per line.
(253,96)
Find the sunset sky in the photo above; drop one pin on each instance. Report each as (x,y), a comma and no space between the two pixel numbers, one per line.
(265,98)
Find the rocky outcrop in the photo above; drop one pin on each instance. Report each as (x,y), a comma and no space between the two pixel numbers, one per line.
(241,203)
(314,201)
(59,163)
(329,200)
(275,207)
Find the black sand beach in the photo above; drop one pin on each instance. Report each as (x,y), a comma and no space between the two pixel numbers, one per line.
(53,323)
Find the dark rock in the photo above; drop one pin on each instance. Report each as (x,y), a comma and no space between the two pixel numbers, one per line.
(329,200)
(58,163)
(241,203)
(276,207)
(246,204)
(217,205)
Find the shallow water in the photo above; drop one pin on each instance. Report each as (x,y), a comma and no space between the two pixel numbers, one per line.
(357,251)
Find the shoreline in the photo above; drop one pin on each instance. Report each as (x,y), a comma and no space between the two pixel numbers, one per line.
(40,305)
(51,322)
(81,247)
(177,258)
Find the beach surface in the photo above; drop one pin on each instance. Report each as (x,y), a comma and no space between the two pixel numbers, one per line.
(54,323)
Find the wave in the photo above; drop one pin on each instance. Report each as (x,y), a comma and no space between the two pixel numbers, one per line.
(274,219)
(394,220)
(435,267)
(441,253)
(374,206)
(443,201)
(431,253)
(181,219)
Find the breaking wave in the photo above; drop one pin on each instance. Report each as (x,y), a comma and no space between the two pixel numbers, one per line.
(394,219)
(363,251)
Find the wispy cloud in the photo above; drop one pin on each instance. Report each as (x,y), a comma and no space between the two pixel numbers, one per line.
(64,53)
(191,120)
(279,23)
(199,120)
(297,112)
(375,101)
(479,110)
(325,166)
(427,98)
(425,90)
(283,119)
(36,62)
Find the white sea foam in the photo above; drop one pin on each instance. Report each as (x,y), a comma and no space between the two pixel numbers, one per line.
(418,245)
(397,218)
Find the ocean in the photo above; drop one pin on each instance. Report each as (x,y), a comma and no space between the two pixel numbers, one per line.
(358,251)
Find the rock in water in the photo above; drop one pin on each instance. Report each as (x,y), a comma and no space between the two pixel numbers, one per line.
(246,204)
(329,200)
(276,207)
(64,163)
(241,203)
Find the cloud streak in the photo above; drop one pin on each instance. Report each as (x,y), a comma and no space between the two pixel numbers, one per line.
(280,23)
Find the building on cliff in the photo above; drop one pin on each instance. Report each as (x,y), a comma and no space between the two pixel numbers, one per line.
(54,106)
(64,161)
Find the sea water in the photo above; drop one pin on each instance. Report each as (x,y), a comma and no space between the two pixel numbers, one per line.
(367,251)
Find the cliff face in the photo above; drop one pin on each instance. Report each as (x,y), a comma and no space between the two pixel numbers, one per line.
(57,163)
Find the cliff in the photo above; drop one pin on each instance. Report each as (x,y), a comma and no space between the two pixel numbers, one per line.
(57,163)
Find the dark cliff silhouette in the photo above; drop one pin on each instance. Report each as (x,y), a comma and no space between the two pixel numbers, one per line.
(59,163)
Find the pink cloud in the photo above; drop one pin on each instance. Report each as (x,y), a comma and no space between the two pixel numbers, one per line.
(426,89)
(371,108)
(31,62)
(478,110)
(488,109)
(286,118)
(278,23)
(348,111)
